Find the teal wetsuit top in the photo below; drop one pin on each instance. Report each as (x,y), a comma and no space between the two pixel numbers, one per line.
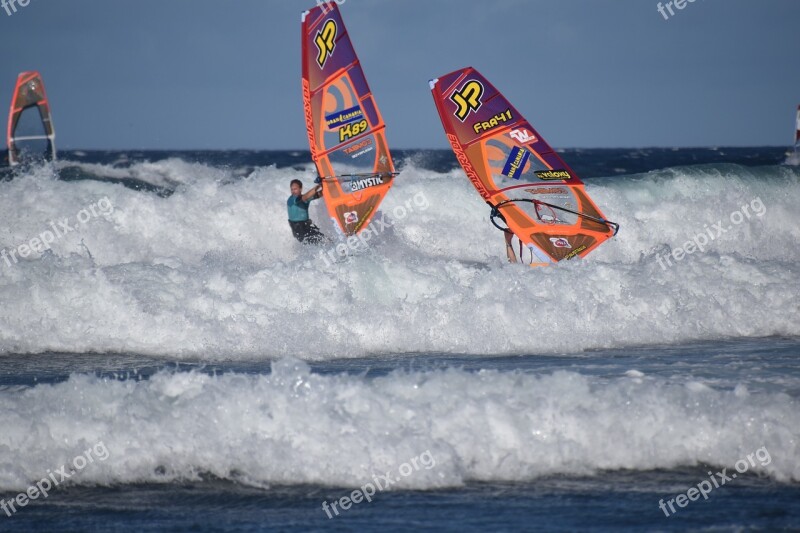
(298,209)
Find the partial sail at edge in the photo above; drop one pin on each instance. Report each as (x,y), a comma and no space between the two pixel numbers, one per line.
(797,131)
(528,186)
(344,126)
(29,98)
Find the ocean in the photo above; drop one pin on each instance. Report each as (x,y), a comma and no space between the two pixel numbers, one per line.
(173,360)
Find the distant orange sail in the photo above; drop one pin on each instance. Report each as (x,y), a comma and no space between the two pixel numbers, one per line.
(528,186)
(29,96)
(345,129)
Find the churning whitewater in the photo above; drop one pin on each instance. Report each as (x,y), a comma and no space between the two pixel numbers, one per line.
(294,426)
(211,271)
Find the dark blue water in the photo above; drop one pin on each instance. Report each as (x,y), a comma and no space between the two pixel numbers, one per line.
(617,501)
(587,162)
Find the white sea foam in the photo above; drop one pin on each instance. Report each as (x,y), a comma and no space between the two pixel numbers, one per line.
(295,427)
(213,271)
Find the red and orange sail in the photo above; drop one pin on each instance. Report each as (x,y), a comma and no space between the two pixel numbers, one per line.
(345,129)
(529,187)
(39,135)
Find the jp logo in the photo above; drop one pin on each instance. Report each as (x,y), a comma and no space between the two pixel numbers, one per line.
(326,41)
(467,99)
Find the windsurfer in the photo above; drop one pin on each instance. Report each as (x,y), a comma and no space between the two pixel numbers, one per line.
(302,228)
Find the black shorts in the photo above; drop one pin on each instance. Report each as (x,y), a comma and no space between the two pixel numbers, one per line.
(306,232)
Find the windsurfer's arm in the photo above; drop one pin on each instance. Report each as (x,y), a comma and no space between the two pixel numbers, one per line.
(310,195)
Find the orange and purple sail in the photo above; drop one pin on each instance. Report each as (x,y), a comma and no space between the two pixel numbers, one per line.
(345,130)
(528,186)
(30,124)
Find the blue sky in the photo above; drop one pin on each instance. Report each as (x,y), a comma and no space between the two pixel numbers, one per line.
(223,74)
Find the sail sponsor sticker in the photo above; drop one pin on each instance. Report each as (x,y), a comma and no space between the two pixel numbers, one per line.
(560,242)
(547,190)
(523,136)
(345,116)
(515,164)
(350,217)
(560,175)
(575,252)
(364,219)
(359,185)
(467,99)
(360,148)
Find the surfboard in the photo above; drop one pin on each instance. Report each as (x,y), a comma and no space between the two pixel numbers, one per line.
(346,132)
(530,190)
(30,124)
